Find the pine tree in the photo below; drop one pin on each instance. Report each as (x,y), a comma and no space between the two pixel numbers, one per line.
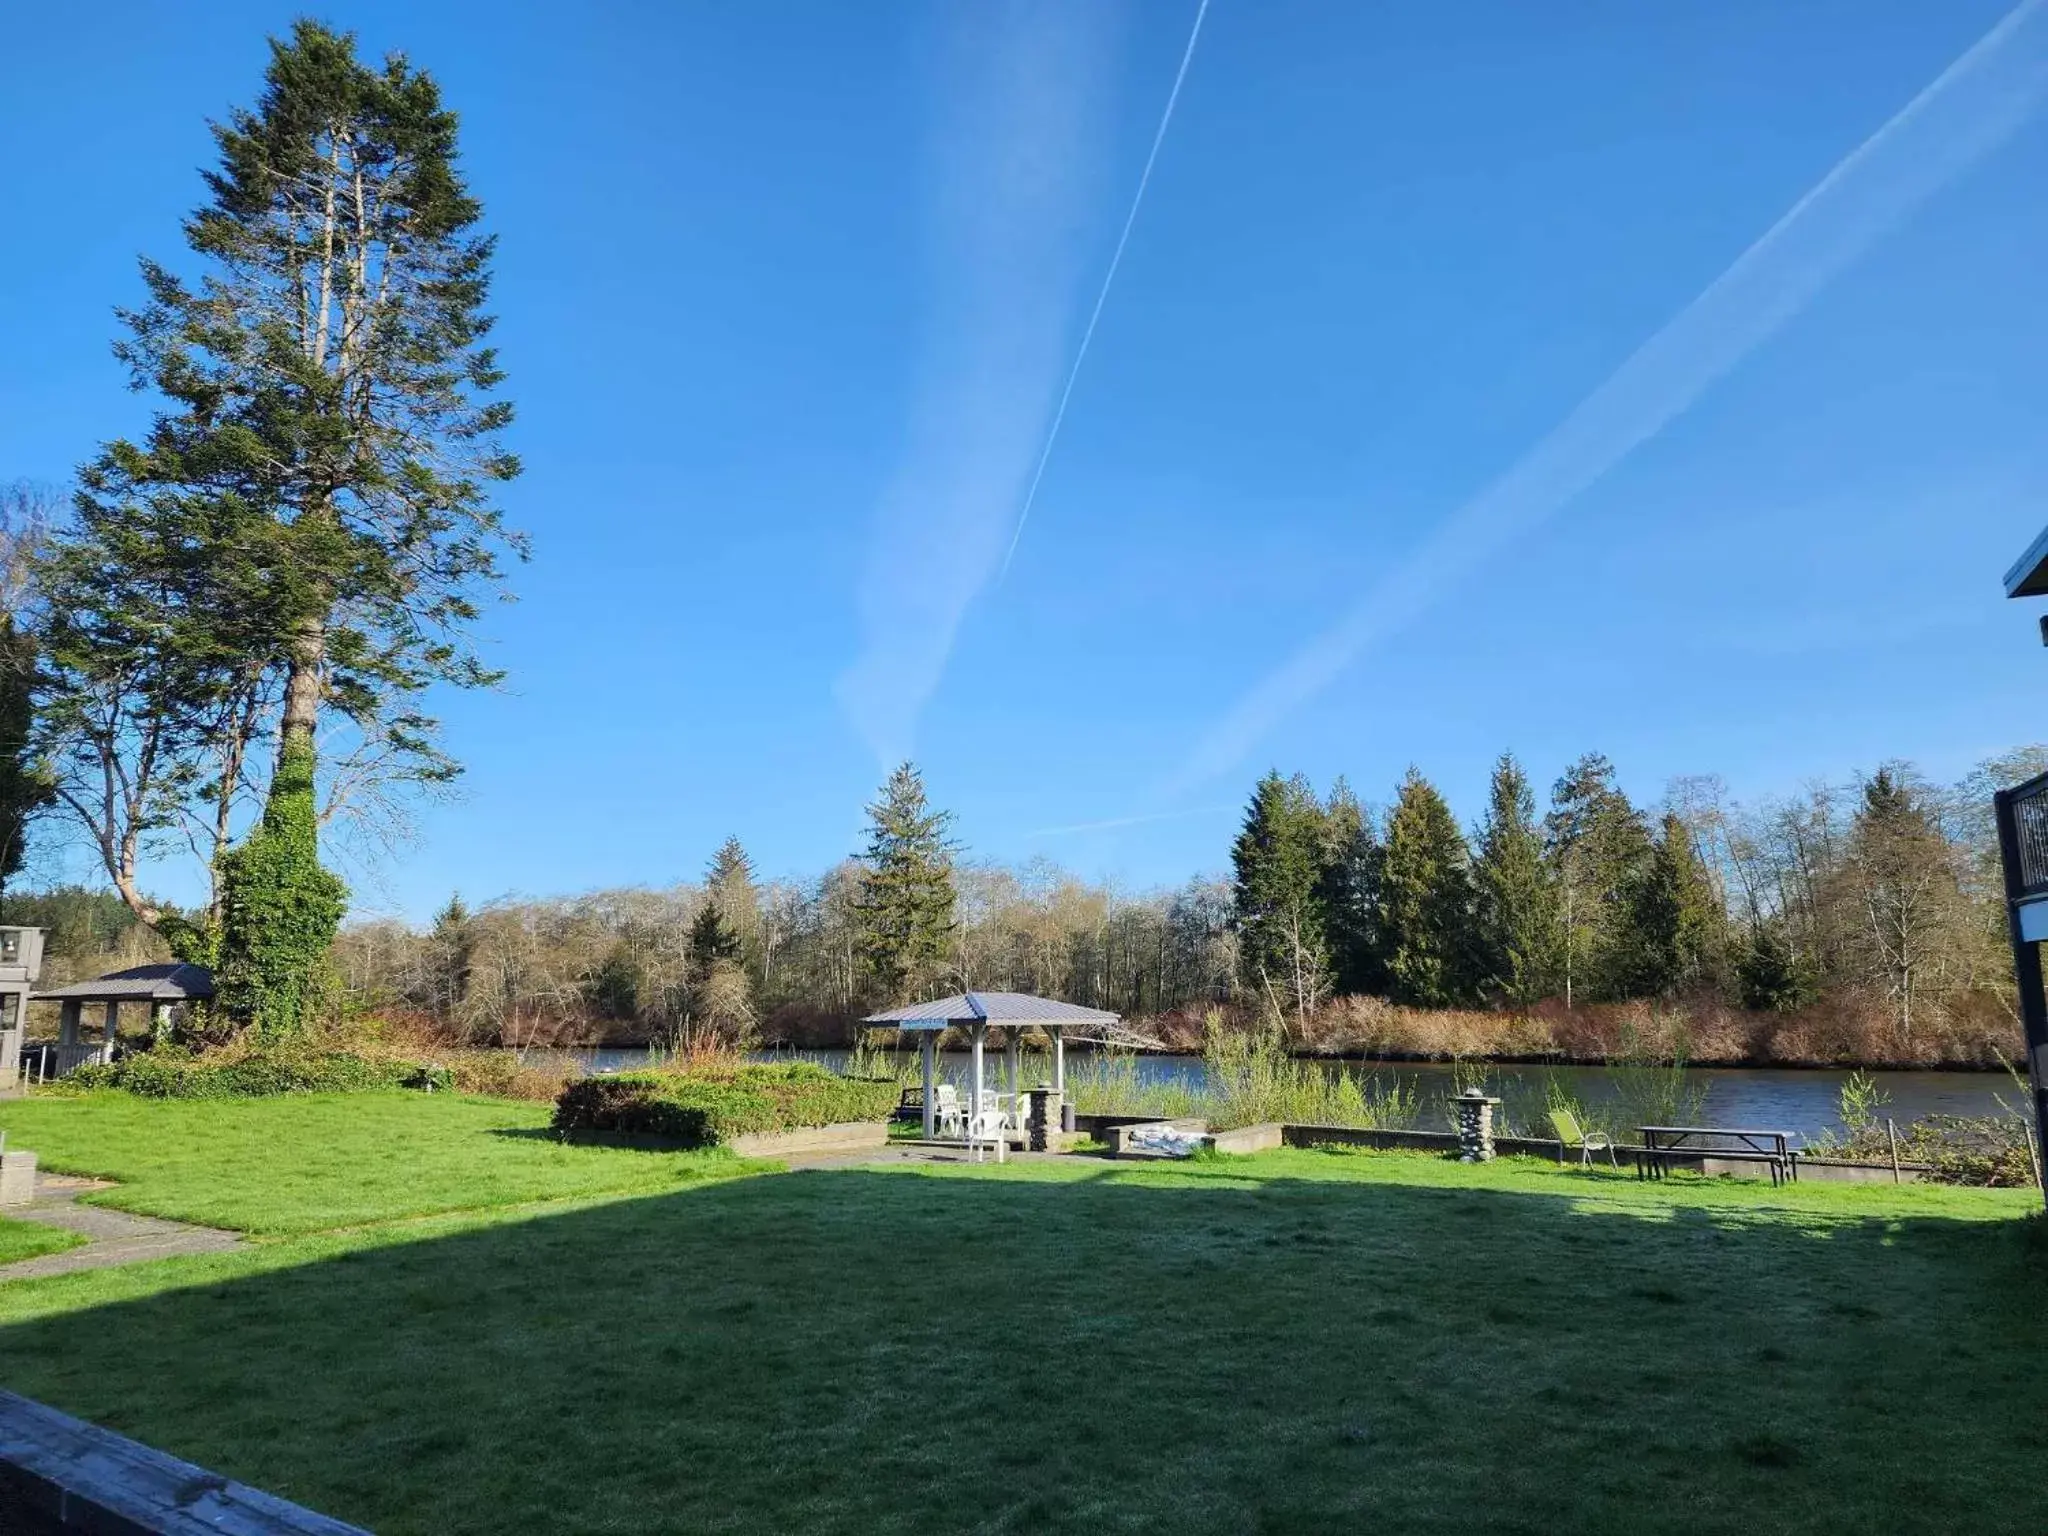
(713,940)
(1514,896)
(1278,895)
(1596,845)
(1349,889)
(1900,885)
(329,446)
(729,881)
(1768,976)
(452,948)
(905,907)
(1426,900)
(1675,919)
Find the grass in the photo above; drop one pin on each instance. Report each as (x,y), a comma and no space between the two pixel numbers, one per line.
(311,1163)
(1305,1341)
(31,1240)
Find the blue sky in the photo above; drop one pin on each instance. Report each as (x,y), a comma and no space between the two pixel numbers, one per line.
(789,292)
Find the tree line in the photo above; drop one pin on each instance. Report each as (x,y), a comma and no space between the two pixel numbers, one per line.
(1880,898)
(1887,891)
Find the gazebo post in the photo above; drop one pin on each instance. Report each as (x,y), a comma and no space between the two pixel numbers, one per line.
(1059,1061)
(67,1027)
(113,1029)
(931,1124)
(978,1030)
(1010,1062)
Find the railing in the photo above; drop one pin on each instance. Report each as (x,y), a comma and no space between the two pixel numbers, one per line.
(42,1060)
(2023,817)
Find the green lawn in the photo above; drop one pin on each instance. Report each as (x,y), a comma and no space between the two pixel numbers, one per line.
(31,1240)
(1298,1342)
(309,1164)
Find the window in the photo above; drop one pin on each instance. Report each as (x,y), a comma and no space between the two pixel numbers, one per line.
(10,946)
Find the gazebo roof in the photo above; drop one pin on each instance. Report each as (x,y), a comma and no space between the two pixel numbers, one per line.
(171,982)
(990,1008)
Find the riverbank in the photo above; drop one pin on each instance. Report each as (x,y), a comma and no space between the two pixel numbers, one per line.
(1842,1033)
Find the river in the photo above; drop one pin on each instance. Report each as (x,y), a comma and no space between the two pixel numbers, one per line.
(1806,1103)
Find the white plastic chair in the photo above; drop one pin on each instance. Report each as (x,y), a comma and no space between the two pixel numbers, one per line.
(952,1120)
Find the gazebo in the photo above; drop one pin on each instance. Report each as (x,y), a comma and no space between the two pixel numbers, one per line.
(978,1013)
(158,986)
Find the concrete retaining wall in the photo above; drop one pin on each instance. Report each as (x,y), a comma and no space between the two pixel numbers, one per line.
(1260,1137)
(849,1136)
(1250,1138)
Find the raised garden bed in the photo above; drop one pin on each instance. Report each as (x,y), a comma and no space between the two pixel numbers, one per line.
(735,1107)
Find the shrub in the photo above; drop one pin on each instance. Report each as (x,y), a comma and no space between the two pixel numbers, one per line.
(705,1108)
(503,1075)
(176,1074)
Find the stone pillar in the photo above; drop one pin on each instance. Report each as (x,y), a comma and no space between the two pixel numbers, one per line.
(1475,1126)
(1044,1109)
(17,1178)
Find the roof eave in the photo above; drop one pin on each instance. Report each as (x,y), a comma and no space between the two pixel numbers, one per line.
(2029,574)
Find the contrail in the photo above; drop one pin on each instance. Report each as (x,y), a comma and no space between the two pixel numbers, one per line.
(1970,108)
(1116,259)
(1111,822)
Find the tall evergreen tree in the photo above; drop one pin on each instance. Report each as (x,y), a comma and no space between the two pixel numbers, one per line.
(1768,976)
(713,939)
(729,882)
(1675,919)
(1426,900)
(329,429)
(1515,899)
(1596,844)
(1278,894)
(1900,883)
(451,947)
(906,902)
(1350,893)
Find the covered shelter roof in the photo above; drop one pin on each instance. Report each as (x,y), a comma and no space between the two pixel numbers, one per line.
(170,982)
(998,1008)
(2029,574)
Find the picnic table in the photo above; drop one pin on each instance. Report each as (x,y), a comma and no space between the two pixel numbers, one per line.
(1663,1144)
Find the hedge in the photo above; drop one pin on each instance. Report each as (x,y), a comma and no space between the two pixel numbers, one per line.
(702,1110)
(165,1074)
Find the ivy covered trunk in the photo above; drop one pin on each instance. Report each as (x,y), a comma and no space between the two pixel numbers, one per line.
(280,909)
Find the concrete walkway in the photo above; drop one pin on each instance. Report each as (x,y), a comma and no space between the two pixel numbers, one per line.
(112,1237)
(909,1152)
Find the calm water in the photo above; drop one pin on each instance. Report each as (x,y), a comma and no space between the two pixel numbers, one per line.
(1770,1098)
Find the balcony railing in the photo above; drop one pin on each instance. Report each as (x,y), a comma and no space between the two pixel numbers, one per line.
(2023,837)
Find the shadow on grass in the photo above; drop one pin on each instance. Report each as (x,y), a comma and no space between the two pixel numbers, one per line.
(1195,1351)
